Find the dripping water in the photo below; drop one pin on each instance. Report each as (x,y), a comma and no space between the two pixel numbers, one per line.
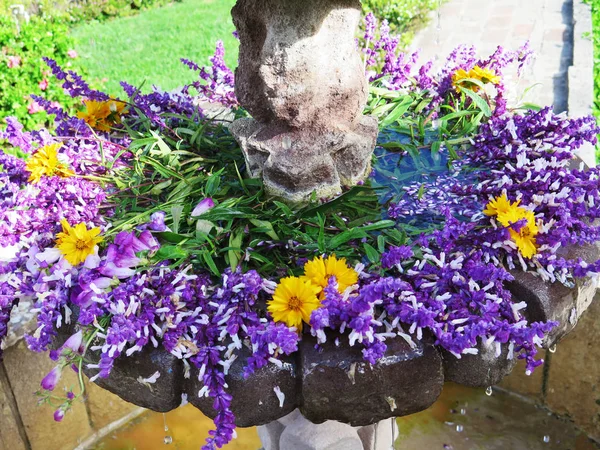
(489,391)
(168,439)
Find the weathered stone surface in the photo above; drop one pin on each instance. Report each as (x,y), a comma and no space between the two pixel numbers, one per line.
(302,434)
(10,439)
(129,374)
(25,371)
(380,435)
(105,407)
(254,399)
(337,384)
(481,370)
(554,301)
(573,384)
(270,435)
(296,163)
(298,62)
(302,79)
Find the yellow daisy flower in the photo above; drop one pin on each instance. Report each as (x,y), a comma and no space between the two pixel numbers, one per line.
(44,162)
(95,114)
(485,75)
(502,207)
(77,243)
(525,237)
(319,271)
(461,76)
(102,115)
(293,302)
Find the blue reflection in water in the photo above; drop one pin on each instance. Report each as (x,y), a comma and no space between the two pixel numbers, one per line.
(402,167)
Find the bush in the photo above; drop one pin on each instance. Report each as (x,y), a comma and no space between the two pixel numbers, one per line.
(23,72)
(596,39)
(404,16)
(81,10)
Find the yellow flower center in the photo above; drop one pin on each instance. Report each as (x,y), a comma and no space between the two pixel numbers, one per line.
(294,303)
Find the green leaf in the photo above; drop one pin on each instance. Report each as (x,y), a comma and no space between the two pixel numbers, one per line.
(479,101)
(235,244)
(265,227)
(399,111)
(371,253)
(210,262)
(171,237)
(170,252)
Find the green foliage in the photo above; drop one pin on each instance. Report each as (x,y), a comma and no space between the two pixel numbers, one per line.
(82,10)
(596,38)
(38,38)
(404,16)
(175,170)
(147,47)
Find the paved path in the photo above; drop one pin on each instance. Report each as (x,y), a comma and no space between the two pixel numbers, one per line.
(547,24)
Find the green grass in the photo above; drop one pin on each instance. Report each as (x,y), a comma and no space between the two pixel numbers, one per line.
(147,47)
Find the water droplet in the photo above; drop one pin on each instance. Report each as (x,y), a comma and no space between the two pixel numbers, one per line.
(463,411)
(546,439)
(165,422)
(552,349)
(168,440)
(489,391)
(459,428)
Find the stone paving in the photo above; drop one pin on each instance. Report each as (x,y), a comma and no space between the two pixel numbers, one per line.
(547,24)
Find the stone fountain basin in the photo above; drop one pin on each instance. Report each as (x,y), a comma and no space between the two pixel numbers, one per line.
(330,382)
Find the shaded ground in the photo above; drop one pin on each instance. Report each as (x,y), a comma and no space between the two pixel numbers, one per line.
(147,47)
(462,419)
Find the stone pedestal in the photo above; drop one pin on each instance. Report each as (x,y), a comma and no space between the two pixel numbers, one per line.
(302,79)
(294,432)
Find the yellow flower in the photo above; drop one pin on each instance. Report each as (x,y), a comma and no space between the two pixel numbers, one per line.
(501,207)
(319,271)
(525,237)
(507,214)
(44,162)
(102,115)
(293,301)
(460,78)
(485,75)
(95,114)
(77,243)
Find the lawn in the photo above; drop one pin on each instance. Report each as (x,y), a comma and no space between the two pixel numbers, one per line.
(147,47)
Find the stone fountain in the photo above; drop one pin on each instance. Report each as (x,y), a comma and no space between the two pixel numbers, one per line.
(301,78)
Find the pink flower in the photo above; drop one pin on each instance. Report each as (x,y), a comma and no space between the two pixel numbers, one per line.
(59,415)
(34,107)
(43,85)
(203,207)
(14,61)
(72,54)
(74,343)
(51,380)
